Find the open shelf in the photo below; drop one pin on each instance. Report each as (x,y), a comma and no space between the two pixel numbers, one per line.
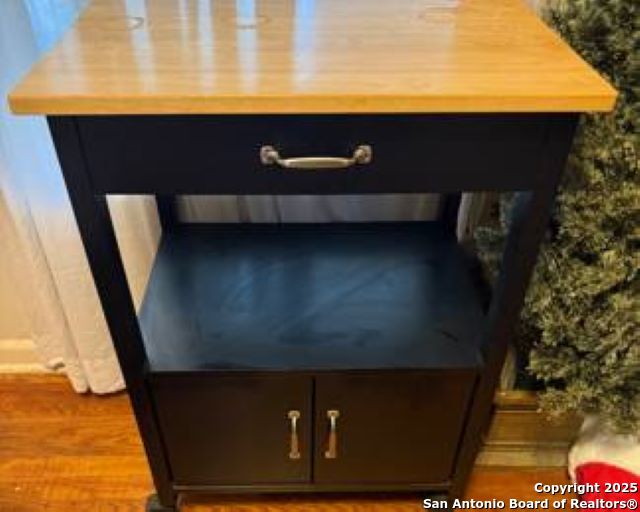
(311,297)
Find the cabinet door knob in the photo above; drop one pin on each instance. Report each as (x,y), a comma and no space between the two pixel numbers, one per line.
(361,155)
(294,443)
(332,448)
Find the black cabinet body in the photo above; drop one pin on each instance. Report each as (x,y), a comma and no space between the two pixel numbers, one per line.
(233,429)
(312,358)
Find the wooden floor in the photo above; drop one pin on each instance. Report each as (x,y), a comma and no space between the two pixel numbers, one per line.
(64,452)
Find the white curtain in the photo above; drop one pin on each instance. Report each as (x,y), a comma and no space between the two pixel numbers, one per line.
(66,321)
(67,324)
(305,208)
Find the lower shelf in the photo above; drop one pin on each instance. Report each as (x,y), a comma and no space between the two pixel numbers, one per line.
(311,297)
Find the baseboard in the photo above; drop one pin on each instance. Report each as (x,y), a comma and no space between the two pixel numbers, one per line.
(521,435)
(19,356)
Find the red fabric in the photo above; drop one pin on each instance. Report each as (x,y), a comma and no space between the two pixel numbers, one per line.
(601,473)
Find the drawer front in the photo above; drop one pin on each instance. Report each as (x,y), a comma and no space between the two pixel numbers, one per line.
(221,154)
(222,429)
(401,428)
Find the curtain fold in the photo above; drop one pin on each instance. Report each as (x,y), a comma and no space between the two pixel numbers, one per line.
(309,208)
(66,321)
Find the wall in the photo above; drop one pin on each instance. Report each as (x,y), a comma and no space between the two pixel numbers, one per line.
(17,352)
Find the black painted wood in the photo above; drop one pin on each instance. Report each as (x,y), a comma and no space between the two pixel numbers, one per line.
(220,154)
(400,427)
(101,247)
(450,205)
(334,489)
(531,217)
(167,211)
(232,428)
(348,312)
(301,297)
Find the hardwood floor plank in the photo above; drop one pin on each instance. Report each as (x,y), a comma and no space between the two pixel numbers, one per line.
(63,452)
(68,437)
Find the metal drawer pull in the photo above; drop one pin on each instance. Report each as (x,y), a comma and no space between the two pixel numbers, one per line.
(332,449)
(270,156)
(294,444)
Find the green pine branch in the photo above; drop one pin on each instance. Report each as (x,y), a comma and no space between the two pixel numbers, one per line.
(581,320)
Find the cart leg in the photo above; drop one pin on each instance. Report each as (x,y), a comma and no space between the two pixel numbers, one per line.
(154,505)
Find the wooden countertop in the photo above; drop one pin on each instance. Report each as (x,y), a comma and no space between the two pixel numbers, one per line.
(310,56)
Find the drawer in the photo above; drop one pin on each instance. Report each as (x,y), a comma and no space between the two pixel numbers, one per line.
(221,154)
(225,429)
(391,428)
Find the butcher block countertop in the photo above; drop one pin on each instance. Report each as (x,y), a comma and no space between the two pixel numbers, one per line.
(309,56)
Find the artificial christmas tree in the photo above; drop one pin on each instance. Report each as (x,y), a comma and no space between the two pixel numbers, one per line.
(581,323)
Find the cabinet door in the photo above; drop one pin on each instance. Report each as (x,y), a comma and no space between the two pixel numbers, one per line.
(389,428)
(222,429)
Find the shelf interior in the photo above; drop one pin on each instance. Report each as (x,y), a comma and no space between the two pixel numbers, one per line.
(311,297)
